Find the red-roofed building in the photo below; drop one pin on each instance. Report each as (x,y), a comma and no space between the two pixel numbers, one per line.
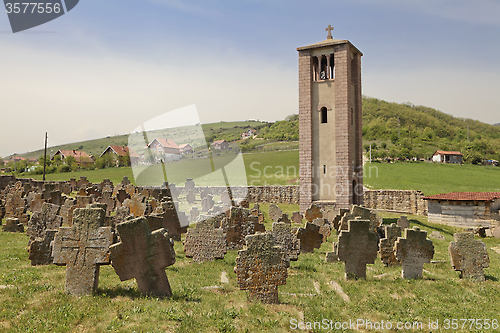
(220,145)
(81,157)
(164,150)
(454,157)
(464,209)
(122,151)
(186,148)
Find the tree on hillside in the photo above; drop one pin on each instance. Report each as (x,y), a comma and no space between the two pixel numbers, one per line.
(70,160)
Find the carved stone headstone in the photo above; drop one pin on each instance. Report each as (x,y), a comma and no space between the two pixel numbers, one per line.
(238,225)
(46,219)
(205,242)
(261,268)
(469,256)
(171,220)
(324,228)
(284,218)
(194,213)
(283,236)
(329,214)
(82,248)
(403,223)
(108,199)
(137,204)
(312,213)
(190,197)
(207,203)
(309,237)
(36,203)
(55,198)
(189,184)
(274,212)
(130,189)
(387,253)
(121,196)
(40,249)
(125,181)
(357,247)
(414,250)
(297,217)
(13,224)
(143,255)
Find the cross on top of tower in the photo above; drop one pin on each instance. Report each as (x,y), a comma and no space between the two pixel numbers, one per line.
(329,29)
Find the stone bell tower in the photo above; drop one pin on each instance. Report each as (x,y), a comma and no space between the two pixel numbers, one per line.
(330,122)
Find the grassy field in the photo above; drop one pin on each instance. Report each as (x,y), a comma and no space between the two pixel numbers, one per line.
(32,299)
(432,178)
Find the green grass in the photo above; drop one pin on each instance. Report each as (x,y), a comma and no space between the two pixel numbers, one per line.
(432,178)
(35,299)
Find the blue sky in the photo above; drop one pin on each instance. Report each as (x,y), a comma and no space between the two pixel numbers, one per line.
(108,66)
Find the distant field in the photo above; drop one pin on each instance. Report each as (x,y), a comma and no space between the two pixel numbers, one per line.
(282,168)
(432,178)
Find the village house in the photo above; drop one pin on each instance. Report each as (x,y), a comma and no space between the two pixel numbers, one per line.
(186,148)
(81,157)
(464,209)
(121,151)
(454,157)
(164,150)
(220,145)
(248,134)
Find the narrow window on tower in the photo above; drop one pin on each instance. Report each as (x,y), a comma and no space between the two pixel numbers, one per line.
(324,169)
(352,116)
(323,68)
(332,67)
(324,115)
(315,68)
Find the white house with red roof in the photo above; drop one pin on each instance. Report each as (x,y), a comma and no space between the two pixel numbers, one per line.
(464,209)
(220,145)
(164,150)
(122,151)
(81,157)
(454,157)
(186,148)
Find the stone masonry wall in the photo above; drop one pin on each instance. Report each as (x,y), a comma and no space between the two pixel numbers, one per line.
(410,202)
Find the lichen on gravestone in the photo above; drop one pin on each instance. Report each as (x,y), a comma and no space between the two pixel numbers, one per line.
(283,236)
(309,237)
(469,256)
(413,251)
(261,267)
(387,252)
(205,242)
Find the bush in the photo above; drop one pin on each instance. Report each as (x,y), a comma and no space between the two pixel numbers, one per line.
(64,168)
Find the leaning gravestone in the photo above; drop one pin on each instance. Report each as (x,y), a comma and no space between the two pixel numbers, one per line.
(171,220)
(274,212)
(143,255)
(324,228)
(82,248)
(262,267)
(469,256)
(238,225)
(357,247)
(284,218)
(205,242)
(312,213)
(413,251)
(283,236)
(207,203)
(387,254)
(46,219)
(40,249)
(297,217)
(309,237)
(137,204)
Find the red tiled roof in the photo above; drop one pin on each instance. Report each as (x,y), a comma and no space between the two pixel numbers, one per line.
(442,152)
(218,142)
(123,150)
(465,196)
(166,143)
(78,155)
(184,145)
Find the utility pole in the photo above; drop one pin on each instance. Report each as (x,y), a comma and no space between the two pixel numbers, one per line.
(45,156)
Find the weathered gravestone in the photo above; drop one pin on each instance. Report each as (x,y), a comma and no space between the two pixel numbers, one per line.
(125,181)
(110,201)
(189,184)
(65,210)
(190,197)
(36,202)
(262,267)
(357,247)
(40,249)
(46,219)
(283,236)
(329,214)
(436,235)
(137,204)
(284,218)
(143,255)
(207,203)
(194,213)
(309,237)
(274,212)
(413,251)
(56,198)
(324,228)
(297,217)
(312,213)
(121,196)
(171,220)
(205,242)
(387,253)
(469,256)
(82,248)
(403,223)
(334,255)
(238,225)
(13,224)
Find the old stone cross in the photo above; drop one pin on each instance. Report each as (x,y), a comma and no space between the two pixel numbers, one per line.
(357,247)
(414,250)
(82,248)
(143,255)
(329,29)
(205,242)
(262,267)
(468,256)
